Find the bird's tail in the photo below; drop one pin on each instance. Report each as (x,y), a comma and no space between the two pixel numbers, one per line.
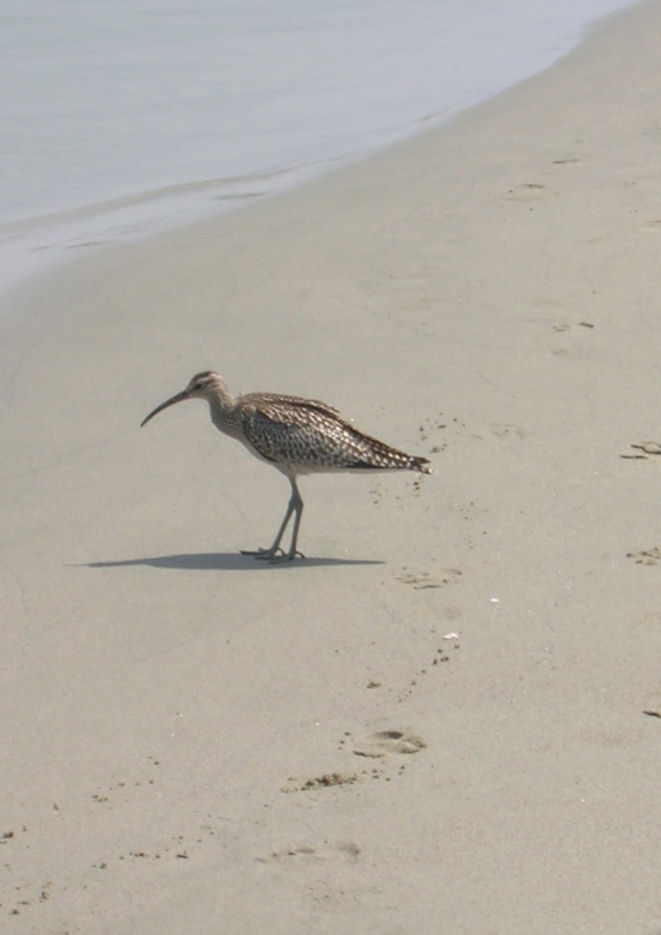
(420,464)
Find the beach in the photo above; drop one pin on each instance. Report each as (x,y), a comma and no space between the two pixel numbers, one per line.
(447,718)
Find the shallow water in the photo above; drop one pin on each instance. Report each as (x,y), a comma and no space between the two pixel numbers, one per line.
(121,119)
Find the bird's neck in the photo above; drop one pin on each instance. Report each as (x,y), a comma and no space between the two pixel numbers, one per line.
(223,411)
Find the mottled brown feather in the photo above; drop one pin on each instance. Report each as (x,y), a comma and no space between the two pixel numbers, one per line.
(309,435)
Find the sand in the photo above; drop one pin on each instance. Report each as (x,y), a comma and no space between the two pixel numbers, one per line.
(446,719)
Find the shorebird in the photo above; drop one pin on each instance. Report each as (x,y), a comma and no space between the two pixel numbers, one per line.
(295,435)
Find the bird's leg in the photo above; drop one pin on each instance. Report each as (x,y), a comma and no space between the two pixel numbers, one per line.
(295,506)
(275,553)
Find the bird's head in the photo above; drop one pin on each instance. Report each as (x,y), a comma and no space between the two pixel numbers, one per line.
(205,385)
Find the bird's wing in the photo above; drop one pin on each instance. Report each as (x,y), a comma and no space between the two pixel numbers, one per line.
(273,404)
(313,436)
(290,429)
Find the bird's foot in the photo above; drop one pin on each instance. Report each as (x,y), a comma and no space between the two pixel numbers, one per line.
(266,555)
(272,555)
(285,557)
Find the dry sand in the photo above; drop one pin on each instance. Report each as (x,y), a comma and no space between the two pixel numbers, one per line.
(195,743)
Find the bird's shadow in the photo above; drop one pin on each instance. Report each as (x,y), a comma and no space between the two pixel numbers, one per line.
(224,561)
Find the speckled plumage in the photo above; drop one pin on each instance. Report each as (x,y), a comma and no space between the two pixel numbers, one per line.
(310,436)
(296,435)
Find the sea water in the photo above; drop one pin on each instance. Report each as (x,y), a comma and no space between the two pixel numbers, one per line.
(119,118)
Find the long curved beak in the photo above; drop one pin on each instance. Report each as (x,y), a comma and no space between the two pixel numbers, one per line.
(179,398)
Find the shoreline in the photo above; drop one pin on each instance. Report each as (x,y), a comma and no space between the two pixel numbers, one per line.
(118,220)
(447,712)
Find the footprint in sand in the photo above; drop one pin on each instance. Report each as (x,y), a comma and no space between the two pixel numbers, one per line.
(527,191)
(326,781)
(643,449)
(422,580)
(345,850)
(506,430)
(646,556)
(385,742)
